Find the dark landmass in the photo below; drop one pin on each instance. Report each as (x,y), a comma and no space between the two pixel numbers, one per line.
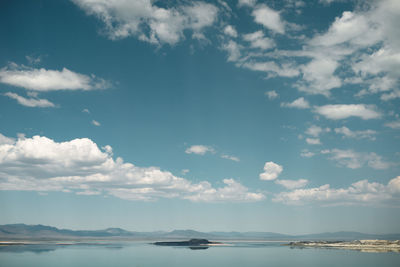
(23,233)
(361,245)
(190,243)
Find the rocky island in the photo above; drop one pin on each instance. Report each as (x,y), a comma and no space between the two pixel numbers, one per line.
(189,243)
(361,245)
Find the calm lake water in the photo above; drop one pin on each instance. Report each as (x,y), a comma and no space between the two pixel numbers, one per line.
(143,254)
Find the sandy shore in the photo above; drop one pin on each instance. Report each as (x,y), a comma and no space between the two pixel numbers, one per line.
(361,245)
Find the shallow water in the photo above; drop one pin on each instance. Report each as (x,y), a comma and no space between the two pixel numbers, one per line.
(146,255)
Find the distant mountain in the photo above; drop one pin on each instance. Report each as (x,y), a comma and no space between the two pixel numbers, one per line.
(43,232)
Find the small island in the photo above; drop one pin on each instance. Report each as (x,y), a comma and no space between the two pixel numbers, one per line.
(189,243)
(361,245)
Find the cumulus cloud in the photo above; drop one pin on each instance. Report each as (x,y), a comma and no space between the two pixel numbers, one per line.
(269,18)
(149,22)
(300,103)
(365,134)
(292,184)
(4,140)
(80,166)
(271,171)
(31,102)
(359,193)
(49,80)
(199,149)
(338,112)
(355,160)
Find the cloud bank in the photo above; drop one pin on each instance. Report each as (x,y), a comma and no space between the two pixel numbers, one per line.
(80,166)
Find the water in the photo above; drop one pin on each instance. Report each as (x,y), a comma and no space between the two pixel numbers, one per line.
(145,255)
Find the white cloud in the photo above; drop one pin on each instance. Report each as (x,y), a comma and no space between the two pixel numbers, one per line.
(367,41)
(4,140)
(258,40)
(31,102)
(233,158)
(230,31)
(292,184)
(393,124)
(337,112)
(313,141)
(306,153)
(233,50)
(272,68)
(359,193)
(271,171)
(231,192)
(185,171)
(271,94)
(149,22)
(49,80)
(247,3)
(346,132)
(269,18)
(79,166)
(315,130)
(96,123)
(318,76)
(355,160)
(300,103)
(199,149)
(33,60)
(85,110)
(359,48)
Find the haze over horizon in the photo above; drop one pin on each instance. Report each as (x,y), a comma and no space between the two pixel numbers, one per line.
(273,116)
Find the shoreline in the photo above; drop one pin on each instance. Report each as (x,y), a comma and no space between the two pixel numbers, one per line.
(361,245)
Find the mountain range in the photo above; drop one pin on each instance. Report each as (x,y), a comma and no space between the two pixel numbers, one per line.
(43,232)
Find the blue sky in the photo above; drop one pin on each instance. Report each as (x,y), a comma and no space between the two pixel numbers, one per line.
(210,115)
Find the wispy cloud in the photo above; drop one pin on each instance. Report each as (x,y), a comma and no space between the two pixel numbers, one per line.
(393,124)
(31,102)
(96,123)
(364,134)
(49,80)
(300,103)
(271,94)
(292,184)
(149,22)
(359,193)
(269,18)
(355,160)
(233,158)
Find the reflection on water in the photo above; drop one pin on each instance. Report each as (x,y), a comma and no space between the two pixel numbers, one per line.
(42,248)
(235,254)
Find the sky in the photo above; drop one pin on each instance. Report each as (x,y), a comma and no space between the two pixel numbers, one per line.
(247,115)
